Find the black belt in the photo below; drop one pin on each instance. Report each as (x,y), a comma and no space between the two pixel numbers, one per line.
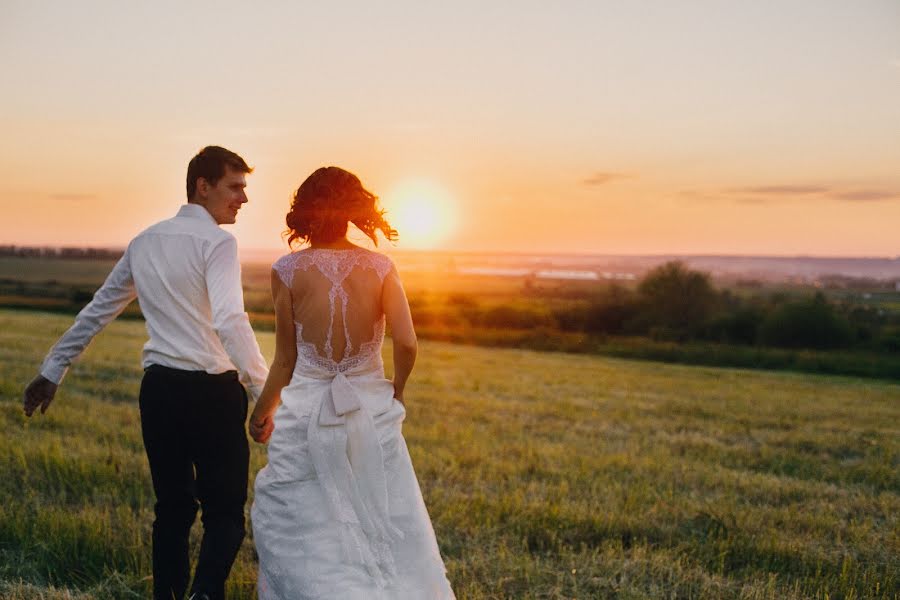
(227,375)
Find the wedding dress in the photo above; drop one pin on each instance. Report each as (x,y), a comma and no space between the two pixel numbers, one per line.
(337,512)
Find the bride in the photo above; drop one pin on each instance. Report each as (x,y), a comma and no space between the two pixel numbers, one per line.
(337,511)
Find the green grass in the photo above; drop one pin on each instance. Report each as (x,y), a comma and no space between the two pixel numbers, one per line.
(546,475)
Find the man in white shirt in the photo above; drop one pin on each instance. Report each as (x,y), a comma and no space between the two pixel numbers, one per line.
(185,273)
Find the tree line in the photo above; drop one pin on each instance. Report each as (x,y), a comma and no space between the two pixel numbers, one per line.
(676,304)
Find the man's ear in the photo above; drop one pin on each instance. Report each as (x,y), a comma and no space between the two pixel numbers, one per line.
(202,187)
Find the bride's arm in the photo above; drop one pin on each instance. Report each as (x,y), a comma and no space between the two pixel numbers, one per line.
(261,424)
(403,335)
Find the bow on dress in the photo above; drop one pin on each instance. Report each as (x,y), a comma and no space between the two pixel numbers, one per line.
(350,466)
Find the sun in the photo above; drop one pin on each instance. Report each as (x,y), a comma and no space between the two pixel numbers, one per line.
(422,212)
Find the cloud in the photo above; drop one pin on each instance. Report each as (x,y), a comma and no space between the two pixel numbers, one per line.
(781,190)
(698,196)
(764,194)
(866,195)
(601,178)
(72,197)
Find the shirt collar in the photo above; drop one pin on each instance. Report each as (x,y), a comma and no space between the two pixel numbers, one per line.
(195,211)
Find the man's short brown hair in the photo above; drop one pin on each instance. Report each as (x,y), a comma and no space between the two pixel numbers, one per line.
(210,164)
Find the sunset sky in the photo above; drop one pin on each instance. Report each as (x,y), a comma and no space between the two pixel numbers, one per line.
(729,127)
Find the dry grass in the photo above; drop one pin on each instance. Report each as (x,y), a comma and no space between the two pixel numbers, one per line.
(546,475)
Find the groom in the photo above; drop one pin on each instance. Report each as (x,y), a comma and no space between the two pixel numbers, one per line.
(185,273)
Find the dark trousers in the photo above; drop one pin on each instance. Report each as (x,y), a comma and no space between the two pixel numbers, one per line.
(193,428)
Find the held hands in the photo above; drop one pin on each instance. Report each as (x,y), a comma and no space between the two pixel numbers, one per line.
(261,427)
(40,392)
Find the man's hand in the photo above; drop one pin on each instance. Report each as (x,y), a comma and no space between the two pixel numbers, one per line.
(40,392)
(261,428)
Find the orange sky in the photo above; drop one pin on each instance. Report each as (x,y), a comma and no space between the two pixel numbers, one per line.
(607,127)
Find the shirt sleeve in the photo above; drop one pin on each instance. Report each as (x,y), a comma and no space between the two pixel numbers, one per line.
(109,301)
(230,321)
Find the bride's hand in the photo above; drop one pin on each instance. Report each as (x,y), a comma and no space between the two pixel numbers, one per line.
(261,428)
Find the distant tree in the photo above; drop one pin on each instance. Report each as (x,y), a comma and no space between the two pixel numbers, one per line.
(613,312)
(889,339)
(571,318)
(866,321)
(737,325)
(676,302)
(460,299)
(610,312)
(512,317)
(812,323)
(80,296)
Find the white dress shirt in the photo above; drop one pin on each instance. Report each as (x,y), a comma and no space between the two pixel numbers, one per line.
(186,276)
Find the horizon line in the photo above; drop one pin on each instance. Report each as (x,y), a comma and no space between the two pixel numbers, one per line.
(580,254)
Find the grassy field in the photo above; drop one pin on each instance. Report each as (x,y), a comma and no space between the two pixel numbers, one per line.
(546,475)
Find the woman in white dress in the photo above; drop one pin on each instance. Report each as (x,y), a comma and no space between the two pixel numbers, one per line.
(338,513)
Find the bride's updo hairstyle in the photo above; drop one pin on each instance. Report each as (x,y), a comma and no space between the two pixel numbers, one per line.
(327,201)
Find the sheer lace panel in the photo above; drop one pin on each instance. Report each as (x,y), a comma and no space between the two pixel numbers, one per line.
(336,298)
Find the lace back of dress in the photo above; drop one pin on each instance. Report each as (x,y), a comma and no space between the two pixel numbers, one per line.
(336,298)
